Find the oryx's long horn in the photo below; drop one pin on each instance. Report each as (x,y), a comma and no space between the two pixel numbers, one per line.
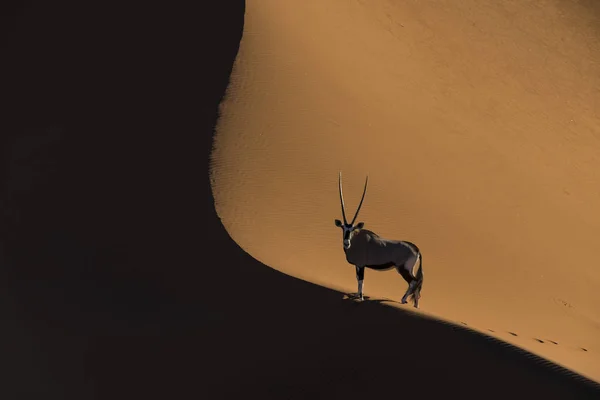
(342,199)
(361,201)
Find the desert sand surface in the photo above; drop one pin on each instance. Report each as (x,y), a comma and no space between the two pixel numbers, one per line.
(120,280)
(477,123)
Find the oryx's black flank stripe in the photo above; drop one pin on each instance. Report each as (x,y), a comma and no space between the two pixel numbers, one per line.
(382,267)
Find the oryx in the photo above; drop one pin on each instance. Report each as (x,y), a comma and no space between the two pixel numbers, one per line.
(366,249)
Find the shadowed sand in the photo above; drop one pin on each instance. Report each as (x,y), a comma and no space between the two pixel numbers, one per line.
(116,286)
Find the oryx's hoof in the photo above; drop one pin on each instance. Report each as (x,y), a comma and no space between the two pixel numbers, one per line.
(403,301)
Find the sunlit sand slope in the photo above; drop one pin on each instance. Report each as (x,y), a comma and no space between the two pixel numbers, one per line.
(477,124)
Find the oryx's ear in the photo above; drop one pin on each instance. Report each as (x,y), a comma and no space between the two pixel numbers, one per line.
(359,225)
(338,223)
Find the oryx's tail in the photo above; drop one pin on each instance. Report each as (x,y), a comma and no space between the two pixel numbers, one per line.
(417,291)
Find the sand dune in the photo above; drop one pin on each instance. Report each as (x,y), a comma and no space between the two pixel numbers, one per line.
(477,124)
(111,287)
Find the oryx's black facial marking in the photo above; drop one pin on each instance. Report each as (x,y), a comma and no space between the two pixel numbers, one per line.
(348,232)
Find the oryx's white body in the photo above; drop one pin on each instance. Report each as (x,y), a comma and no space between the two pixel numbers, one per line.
(366,249)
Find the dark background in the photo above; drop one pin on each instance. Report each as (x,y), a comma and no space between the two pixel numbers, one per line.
(118,279)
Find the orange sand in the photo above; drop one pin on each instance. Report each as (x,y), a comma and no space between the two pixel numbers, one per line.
(477,124)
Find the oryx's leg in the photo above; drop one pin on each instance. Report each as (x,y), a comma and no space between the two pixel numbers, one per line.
(417,296)
(417,291)
(406,270)
(411,288)
(360,277)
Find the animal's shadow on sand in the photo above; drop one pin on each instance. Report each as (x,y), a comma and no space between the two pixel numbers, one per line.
(353,297)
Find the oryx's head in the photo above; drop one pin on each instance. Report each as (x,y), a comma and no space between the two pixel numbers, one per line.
(349,228)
